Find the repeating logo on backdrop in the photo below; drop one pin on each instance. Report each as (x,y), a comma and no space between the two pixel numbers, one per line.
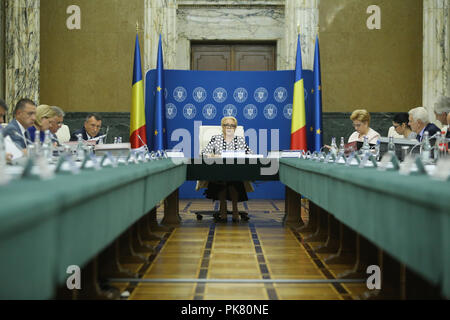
(199,94)
(179,94)
(229,111)
(166,93)
(270,112)
(209,111)
(240,95)
(171,111)
(220,95)
(261,95)
(280,94)
(250,111)
(189,111)
(287,111)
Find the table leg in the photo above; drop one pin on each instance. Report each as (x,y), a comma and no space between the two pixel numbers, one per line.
(292,216)
(90,288)
(390,279)
(138,244)
(320,234)
(312,219)
(347,244)
(366,255)
(110,265)
(127,252)
(171,216)
(332,243)
(153,225)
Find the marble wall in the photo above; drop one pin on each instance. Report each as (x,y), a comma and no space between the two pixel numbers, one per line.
(380,70)
(436,51)
(89,69)
(22,50)
(2,51)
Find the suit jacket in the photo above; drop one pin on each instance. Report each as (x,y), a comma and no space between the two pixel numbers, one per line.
(431,128)
(74,137)
(13,131)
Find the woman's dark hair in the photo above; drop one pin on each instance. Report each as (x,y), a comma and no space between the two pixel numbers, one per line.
(402,117)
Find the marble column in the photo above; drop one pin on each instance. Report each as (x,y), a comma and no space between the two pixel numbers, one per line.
(303,15)
(22,43)
(436,51)
(2,45)
(160,17)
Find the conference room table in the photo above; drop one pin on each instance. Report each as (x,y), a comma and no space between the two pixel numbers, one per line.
(48,225)
(407,216)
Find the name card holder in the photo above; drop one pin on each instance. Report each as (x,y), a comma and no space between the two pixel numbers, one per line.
(389,162)
(66,164)
(420,166)
(90,162)
(108,160)
(368,161)
(353,160)
(26,173)
(442,170)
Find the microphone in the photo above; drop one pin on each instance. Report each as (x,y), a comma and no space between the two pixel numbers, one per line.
(145,145)
(25,139)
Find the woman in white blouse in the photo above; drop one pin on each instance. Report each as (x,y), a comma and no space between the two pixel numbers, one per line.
(236,191)
(361,123)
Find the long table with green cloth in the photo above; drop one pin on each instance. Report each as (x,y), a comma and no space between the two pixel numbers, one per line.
(46,226)
(407,216)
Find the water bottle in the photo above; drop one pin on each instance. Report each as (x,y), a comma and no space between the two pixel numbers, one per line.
(2,151)
(334,148)
(119,140)
(80,150)
(115,140)
(37,142)
(365,147)
(47,146)
(442,145)
(377,150)
(426,148)
(391,145)
(342,147)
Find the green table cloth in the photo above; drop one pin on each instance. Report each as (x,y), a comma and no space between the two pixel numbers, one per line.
(45,226)
(407,216)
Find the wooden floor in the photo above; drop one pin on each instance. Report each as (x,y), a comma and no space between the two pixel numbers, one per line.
(203,260)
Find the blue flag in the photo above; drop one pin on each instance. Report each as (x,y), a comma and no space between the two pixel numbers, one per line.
(159,132)
(317,87)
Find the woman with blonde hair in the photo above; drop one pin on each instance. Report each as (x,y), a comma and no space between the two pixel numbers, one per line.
(236,191)
(361,123)
(42,123)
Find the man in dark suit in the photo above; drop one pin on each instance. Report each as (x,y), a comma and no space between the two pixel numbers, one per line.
(24,117)
(419,123)
(90,130)
(3,111)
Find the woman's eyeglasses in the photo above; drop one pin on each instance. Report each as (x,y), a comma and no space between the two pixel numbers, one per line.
(229,126)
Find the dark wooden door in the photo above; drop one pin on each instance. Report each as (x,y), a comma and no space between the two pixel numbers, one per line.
(233,57)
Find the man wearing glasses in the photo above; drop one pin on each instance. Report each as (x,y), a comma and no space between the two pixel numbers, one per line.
(90,130)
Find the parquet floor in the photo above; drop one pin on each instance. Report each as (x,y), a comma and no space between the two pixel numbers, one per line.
(256,260)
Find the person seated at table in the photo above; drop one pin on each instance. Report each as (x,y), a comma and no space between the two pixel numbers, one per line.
(419,123)
(361,123)
(42,123)
(3,111)
(236,191)
(24,117)
(400,123)
(56,125)
(441,111)
(90,130)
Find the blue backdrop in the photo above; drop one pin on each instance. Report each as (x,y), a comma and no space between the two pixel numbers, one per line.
(260,100)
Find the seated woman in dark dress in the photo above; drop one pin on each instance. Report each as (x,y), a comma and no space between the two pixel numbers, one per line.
(229,190)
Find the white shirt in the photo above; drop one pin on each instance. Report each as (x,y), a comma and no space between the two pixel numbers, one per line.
(22,130)
(372,136)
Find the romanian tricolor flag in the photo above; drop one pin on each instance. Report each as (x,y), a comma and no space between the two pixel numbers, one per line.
(138,136)
(298,125)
